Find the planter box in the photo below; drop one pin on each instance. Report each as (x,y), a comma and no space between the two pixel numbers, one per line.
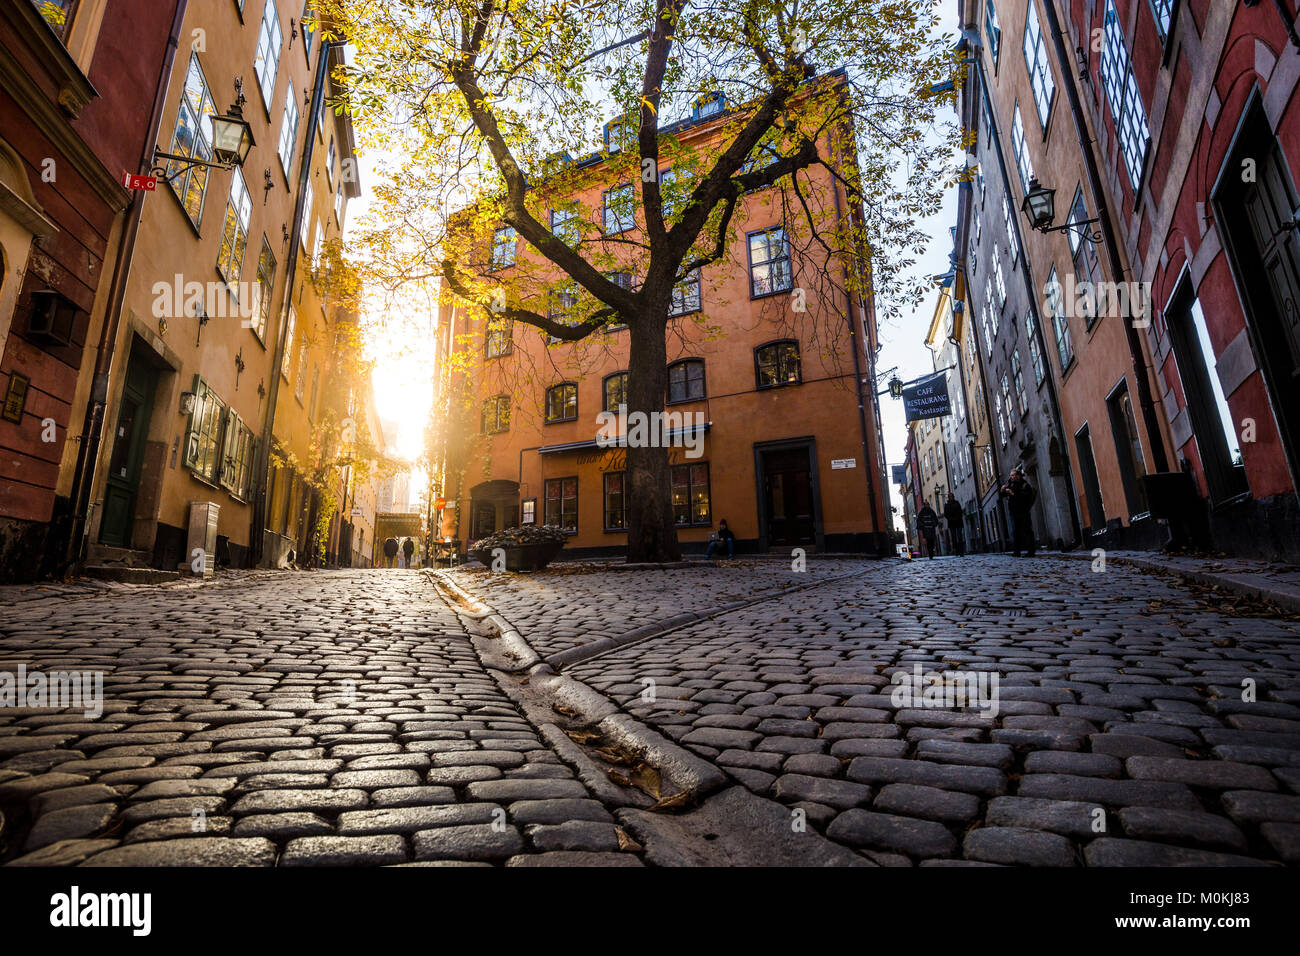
(527,557)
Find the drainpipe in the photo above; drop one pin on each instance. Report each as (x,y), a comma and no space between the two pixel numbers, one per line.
(1152,421)
(867,463)
(261,462)
(92,429)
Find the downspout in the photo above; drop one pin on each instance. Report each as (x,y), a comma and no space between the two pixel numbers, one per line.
(868,464)
(261,463)
(1154,436)
(92,428)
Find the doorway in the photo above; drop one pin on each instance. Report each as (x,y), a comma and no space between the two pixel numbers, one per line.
(1088,475)
(787,494)
(122,484)
(1128,448)
(1262,236)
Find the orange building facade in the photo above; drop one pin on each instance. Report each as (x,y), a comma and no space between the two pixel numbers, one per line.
(773,424)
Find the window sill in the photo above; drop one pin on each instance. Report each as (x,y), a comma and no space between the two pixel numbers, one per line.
(687,401)
(560,421)
(765,388)
(767,295)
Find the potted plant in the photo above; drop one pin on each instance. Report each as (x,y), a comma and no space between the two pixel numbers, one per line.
(526,549)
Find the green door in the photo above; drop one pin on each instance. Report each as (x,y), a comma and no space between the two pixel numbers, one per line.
(128,454)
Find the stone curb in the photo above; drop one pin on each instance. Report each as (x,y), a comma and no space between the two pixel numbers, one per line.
(1235,585)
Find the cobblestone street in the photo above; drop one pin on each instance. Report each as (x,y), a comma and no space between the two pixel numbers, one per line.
(371,717)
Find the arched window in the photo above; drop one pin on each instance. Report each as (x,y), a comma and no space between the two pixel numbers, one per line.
(561,403)
(777,363)
(686,381)
(615,391)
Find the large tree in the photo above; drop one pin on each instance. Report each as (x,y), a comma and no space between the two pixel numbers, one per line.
(484,101)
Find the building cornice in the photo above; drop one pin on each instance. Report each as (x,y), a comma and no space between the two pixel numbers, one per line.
(75,90)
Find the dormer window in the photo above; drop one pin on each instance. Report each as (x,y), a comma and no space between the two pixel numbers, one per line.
(617,133)
(711,104)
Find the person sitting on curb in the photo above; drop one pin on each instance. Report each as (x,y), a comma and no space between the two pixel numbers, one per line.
(716,541)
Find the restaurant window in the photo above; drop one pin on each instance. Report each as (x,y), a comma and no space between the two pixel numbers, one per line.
(192,138)
(529,513)
(615,391)
(561,403)
(769,262)
(562,503)
(691,494)
(686,381)
(615,501)
(496,415)
(778,364)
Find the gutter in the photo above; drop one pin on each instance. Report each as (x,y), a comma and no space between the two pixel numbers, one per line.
(92,429)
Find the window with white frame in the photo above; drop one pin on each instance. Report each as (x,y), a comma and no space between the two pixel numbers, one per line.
(1036,357)
(1040,71)
(1018,376)
(1122,94)
(192,138)
(619,209)
(286,362)
(1087,266)
(265,286)
(236,455)
(267,61)
(992,30)
(504,242)
(1162,10)
(234,233)
(686,295)
(1024,165)
(203,432)
(288,128)
(769,262)
(1009,221)
(564,225)
(1060,324)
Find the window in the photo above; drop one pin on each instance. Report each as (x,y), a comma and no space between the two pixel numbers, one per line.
(999,284)
(236,456)
(267,61)
(1162,10)
(670,193)
(57,13)
(1087,267)
(1060,325)
(309,197)
(504,241)
(1005,402)
(300,377)
(203,434)
(564,226)
(289,128)
(234,234)
(265,286)
(1023,164)
(618,133)
(308,30)
(691,495)
(561,403)
(1018,375)
(529,513)
(330,159)
(1035,357)
(562,503)
(992,30)
(192,138)
(287,361)
(769,262)
(1122,94)
(315,393)
(686,295)
(1012,242)
(685,381)
(338,206)
(989,317)
(499,338)
(615,391)
(496,415)
(615,501)
(619,209)
(1040,71)
(562,302)
(778,364)
(710,104)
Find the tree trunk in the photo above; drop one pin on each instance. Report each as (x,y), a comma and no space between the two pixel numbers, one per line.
(652,533)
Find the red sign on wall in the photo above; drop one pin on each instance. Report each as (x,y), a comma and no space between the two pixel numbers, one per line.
(135,181)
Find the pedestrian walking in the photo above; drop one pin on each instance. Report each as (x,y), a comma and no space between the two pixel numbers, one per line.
(953,514)
(722,538)
(1020,495)
(390,551)
(928,521)
(408,549)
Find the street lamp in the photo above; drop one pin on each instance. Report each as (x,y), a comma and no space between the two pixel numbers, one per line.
(896,387)
(232,139)
(1039,208)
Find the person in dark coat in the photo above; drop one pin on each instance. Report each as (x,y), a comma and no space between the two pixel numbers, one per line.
(928,522)
(390,550)
(1020,496)
(723,539)
(408,549)
(952,513)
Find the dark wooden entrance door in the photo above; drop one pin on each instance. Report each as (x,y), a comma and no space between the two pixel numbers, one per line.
(1260,217)
(789,499)
(124,466)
